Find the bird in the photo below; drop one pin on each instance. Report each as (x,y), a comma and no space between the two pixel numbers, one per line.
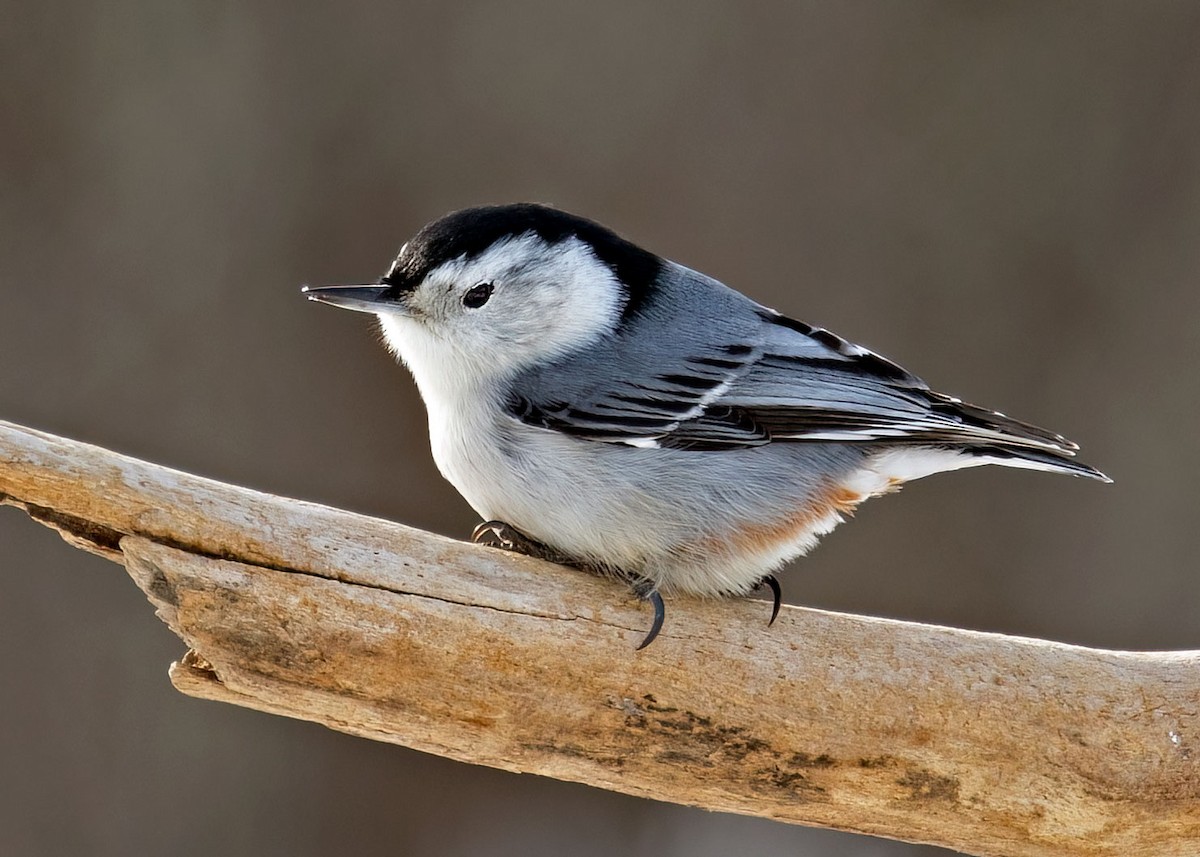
(601,406)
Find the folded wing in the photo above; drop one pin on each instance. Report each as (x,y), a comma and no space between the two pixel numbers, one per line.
(748,376)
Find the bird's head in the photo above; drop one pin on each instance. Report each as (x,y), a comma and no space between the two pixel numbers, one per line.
(486,292)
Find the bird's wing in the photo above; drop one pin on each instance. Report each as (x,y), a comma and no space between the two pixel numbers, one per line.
(642,394)
(840,391)
(661,370)
(745,376)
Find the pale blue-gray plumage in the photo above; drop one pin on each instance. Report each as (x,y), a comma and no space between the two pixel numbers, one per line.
(639,417)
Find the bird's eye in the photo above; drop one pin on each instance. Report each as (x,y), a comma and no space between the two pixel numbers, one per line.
(478,296)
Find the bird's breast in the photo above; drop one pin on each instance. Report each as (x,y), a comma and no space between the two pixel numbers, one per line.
(474,450)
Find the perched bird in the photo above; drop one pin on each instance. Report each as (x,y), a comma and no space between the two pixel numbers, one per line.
(602,406)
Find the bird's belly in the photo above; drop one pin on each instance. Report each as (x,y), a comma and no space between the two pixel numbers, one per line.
(700,522)
(587,499)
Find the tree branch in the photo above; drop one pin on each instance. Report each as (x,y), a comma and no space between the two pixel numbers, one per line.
(988,744)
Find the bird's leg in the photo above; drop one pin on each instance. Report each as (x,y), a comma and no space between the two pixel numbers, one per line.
(645,590)
(501,535)
(771,583)
(507,537)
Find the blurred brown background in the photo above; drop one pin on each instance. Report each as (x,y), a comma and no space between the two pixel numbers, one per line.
(1004,197)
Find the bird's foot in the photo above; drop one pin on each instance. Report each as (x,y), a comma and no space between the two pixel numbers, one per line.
(498,534)
(771,583)
(645,590)
(507,537)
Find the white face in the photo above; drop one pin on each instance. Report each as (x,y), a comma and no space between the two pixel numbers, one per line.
(544,301)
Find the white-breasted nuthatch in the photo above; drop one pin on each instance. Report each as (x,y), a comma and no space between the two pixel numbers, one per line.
(602,406)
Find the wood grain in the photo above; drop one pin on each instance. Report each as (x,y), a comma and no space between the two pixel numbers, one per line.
(988,744)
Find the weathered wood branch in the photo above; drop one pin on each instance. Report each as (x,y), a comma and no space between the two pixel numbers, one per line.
(989,744)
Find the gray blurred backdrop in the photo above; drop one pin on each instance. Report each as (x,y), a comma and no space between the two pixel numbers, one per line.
(1004,197)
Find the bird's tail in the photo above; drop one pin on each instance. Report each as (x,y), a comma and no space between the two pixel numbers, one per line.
(1033,459)
(990,437)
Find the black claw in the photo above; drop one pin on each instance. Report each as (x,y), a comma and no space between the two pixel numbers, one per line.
(498,534)
(771,583)
(483,530)
(506,537)
(660,613)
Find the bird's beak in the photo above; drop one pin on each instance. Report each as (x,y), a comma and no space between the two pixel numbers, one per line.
(371,299)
